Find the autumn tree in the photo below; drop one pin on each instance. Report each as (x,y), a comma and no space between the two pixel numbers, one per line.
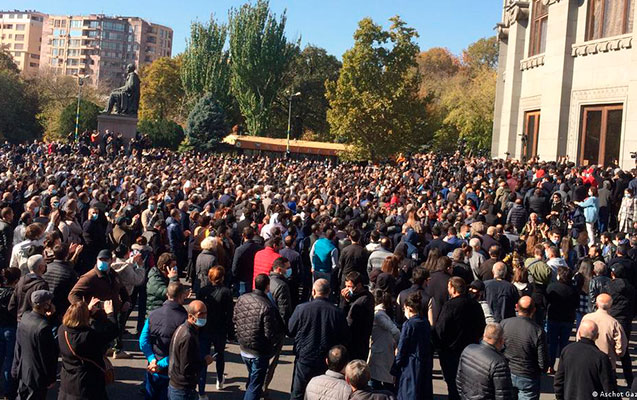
(374,104)
(161,90)
(7,63)
(206,63)
(260,54)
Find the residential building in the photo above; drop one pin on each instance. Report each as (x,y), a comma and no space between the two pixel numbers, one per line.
(567,79)
(21,36)
(100,47)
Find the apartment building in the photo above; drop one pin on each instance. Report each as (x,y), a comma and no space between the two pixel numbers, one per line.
(100,47)
(96,45)
(21,37)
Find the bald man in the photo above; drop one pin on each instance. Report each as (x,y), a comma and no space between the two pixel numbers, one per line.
(612,339)
(185,360)
(583,368)
(526,349)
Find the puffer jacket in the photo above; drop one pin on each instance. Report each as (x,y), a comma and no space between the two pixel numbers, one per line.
(156,288)
(483,373)
(330,386)
(257,323)
(280,289)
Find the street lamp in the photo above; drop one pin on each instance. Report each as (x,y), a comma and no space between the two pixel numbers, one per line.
(80,82)
(287,146)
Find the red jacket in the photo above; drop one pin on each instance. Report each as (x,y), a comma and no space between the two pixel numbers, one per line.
(263,261)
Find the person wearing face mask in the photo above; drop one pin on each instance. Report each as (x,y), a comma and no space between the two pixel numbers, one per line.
(185,363)
(154,340)
(260,330)
(36,353)
(94,235)
(150,215)
(219,328)
(483,371)
(414,357)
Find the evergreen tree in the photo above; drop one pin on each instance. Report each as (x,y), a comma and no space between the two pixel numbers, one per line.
(206,124)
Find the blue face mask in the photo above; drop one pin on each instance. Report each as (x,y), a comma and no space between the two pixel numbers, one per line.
(102,266)
(94,217)
(56,204)
(152,207)
(201,322)
(288,273)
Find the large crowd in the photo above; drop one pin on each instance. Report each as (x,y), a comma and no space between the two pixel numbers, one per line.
(495,267)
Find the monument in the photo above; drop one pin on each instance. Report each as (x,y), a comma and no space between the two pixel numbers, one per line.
(120,114)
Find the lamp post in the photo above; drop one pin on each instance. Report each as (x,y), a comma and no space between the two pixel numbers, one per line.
(80,82)
(287,146)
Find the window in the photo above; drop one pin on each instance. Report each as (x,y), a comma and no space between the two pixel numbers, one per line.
(609,18)
(75,33)
(54,62)
(19,38)
(600,134)
(59,32)
(74,43)
(76,23)
(531,133)
(33,65)
(18,46)
(19,27)
(94,24)
(539,23)
(35,56)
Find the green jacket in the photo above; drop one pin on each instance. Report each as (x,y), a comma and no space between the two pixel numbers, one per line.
(156,289)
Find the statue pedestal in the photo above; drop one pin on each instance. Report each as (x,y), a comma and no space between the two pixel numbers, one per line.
(124,124)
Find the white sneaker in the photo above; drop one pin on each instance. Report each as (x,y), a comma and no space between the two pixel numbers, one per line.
(220,384)
(203,397)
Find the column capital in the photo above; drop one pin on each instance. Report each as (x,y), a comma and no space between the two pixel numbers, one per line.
(516,10)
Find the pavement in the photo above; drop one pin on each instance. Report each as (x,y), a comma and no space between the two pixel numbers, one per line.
(129,374)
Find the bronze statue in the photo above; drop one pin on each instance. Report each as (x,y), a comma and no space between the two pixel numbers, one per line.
(125,99)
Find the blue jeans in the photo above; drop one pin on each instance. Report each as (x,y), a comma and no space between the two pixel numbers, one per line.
(182,394)
(527,388)
(558,334)
(218,341)
(257,370)
(156,387)
(7,345)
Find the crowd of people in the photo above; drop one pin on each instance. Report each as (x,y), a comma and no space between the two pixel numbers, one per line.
(371,270)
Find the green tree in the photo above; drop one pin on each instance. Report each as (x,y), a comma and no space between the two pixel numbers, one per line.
(206,63)
(162,133)
(260,54)
(206,124)
(161,91)
(88,117)
(18,109)
(7,63)
(307,74)
(436,65)
(374,104)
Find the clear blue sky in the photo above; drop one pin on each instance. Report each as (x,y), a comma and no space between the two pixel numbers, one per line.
(326,23)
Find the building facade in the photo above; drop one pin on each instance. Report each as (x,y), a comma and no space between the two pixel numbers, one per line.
(100,47)
(97,46)
(21,37)
(567,80)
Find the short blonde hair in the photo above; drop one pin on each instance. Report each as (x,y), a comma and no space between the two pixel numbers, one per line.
(208,243)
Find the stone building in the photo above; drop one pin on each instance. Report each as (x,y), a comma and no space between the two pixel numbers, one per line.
(21,37)
(567,77)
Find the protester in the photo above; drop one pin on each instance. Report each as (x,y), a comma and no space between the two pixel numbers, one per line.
(185,363)
(219,327)
(357,376)
(158,279)
(562,303)
(8,325)
(21,299)
(483,372)
(83,339)
(500,294)
(359,310)
(155,337)
(332,384)
(36,353)
(383,342)
(316,327)
(583,368)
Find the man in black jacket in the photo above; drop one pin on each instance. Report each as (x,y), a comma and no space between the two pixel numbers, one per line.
(623,309)
(525,348)
(354,258)
(36,352)
(260,330)
(316,327)
(438,286)
(583,368)
(461,323)
(185,362)
(243,262)
(61,277)
(6,236)
(21,300)
(483,372)
(359,308)
(501,294)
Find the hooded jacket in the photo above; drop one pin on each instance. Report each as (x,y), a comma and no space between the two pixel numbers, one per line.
(21,300)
